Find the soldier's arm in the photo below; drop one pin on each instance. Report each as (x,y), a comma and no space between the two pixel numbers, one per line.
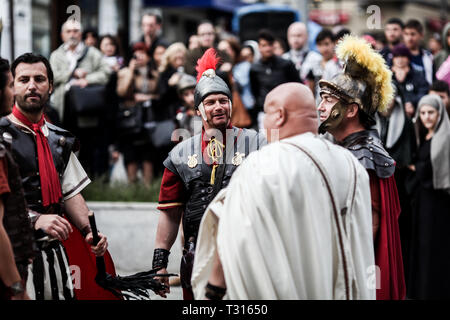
(78,211)
(8,270)
(168,225)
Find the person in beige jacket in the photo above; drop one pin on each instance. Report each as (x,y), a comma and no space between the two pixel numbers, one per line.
(92,69)
(75,64)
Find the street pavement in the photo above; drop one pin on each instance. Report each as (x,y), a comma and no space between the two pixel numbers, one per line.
(131,230)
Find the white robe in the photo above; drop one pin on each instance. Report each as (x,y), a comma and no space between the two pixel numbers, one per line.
(277,234)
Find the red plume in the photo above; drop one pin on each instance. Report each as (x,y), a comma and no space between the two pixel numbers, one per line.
(209,60)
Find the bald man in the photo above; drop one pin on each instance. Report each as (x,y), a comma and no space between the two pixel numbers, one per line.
(299,54)
(295,220)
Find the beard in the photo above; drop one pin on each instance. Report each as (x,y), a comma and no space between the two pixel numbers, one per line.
(32,106)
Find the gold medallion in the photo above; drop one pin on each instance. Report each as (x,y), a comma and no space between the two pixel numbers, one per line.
(237,159)
(192,161)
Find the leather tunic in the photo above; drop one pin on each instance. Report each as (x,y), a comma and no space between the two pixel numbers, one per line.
(197,179)
(24,150)
(367,147)
(16,220)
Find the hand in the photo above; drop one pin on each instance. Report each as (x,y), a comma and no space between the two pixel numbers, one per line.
(54,225)
(174,79)
(226,67)
(141,97)
(115,67)
(412,167)
(409,109)
(100,248)
(133,64)
(164,281)
(21,296)
(79,73)
(82,83)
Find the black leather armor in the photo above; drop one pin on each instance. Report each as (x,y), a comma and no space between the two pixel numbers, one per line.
(24,150)
(367,147)
(197,179)
(16,220)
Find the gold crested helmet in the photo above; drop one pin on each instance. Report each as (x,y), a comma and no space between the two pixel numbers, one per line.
(366,81)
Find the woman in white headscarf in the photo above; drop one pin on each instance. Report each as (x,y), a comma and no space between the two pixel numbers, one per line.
(430,251)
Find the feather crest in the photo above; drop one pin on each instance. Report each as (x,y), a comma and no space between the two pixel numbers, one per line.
(351,50)
(208,61)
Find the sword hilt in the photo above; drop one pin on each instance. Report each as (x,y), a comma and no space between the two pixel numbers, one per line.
(101,268)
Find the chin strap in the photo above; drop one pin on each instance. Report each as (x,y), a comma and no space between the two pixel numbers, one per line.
(201,108)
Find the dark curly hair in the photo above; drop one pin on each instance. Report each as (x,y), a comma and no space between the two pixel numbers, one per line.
(30,58)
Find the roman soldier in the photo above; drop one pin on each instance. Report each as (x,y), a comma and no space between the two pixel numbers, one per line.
(198,168)
(349,103)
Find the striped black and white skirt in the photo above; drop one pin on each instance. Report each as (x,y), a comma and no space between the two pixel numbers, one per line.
(49,276)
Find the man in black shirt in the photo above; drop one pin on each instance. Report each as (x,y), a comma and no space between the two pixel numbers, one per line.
(267,73)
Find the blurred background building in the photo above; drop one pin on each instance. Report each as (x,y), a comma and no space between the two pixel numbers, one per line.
(34,25)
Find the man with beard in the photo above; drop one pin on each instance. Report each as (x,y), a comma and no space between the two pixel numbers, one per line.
(349,103)
(52,179)
(393,32)
(198,168)
(17,244)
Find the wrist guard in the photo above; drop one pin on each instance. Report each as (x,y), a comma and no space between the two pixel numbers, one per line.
(214,292)
(160,258)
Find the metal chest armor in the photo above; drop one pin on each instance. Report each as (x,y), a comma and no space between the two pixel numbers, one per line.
(186,161)
(367,147)
(15,219)
(24,151)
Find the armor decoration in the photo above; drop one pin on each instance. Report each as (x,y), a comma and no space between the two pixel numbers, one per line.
(367,147)
(197,179)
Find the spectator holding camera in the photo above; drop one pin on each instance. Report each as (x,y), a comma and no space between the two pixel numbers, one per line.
(136,86)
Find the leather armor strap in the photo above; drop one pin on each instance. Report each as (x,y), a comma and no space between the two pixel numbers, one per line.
(160,258)
(336,211)
(214,293)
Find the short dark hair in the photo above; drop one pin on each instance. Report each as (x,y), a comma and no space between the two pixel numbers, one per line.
(30,58)
(114,40)
(396,21)
(341,33)
(440,86)
(89,31)
(265,34)
(4,69)
(324,34)
(414,24)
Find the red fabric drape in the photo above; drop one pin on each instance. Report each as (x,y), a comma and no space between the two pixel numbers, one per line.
(388,251)
(84,269)
(50,184)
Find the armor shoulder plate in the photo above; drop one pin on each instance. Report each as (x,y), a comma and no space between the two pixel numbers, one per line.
(179,155)
(369,150)
(66,137)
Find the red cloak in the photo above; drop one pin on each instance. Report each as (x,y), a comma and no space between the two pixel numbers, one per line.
(388,251)
(80,254)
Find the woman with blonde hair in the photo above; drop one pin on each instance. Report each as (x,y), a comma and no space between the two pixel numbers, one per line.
(170,70)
